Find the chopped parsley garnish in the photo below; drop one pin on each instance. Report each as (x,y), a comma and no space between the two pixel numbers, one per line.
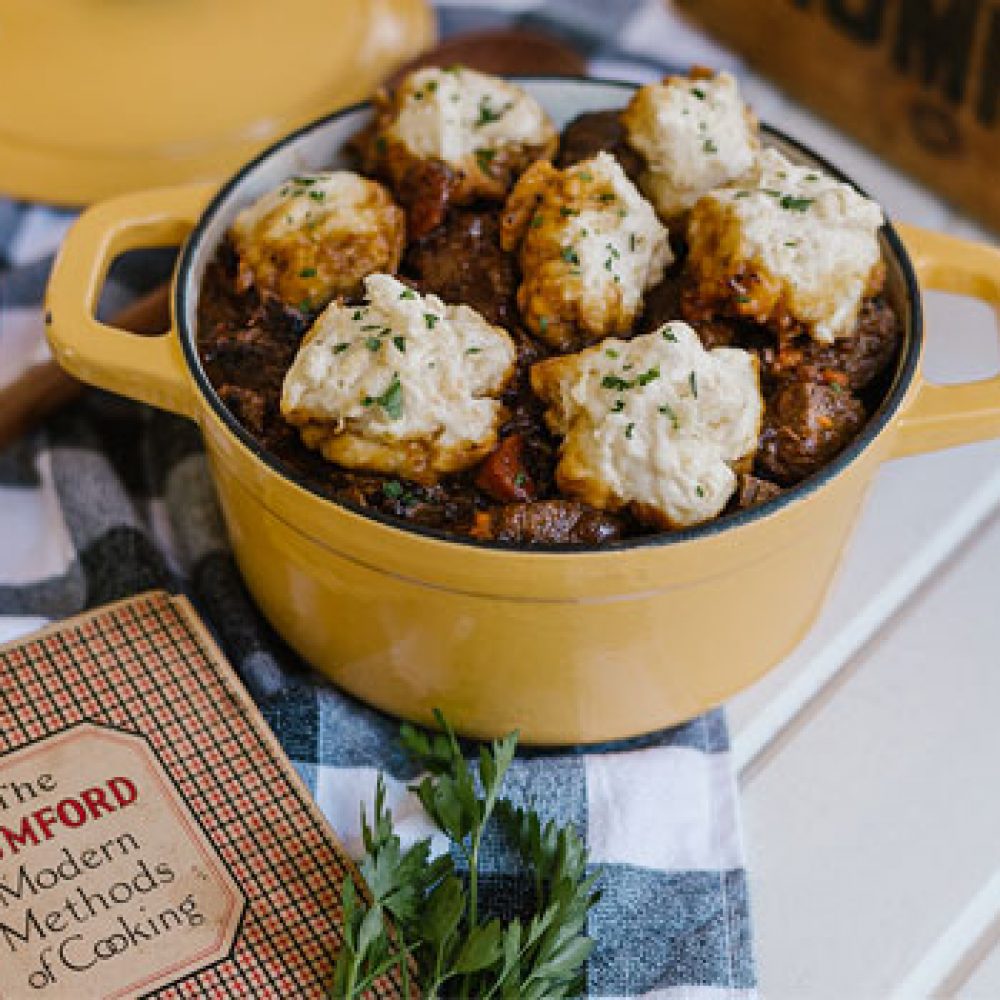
(607,197)
(668,334)
(771,192)
(306,305)
(700,490)
(391,400)
(393,489)
(709,146)
(317,195)
(631,242)
(473,350)
(619,406)
(304,181)
(566,212)
(371,326)
(793,204)
(484,159)
(307,272)
(569,255)
(698,92)
(743,299)
(611,353)
(651,375)
(543,324)
(585,175)
(628,431)
(812,177)
(693,382)
(408,293)
(742,194)
(432,86)
(791,243)
(537,222)
(400,343)
(520,479)
(431,320)
(667,410)
(373,344)
(488,114)
(358,314)
(381,145)
(616,382)
(340,348)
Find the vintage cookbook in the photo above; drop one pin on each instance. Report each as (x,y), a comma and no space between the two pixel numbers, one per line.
(154,839)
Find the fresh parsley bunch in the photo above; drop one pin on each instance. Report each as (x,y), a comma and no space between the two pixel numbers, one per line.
(422,918)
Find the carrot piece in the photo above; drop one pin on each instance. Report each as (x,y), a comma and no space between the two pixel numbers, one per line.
(482,525)
(503,474)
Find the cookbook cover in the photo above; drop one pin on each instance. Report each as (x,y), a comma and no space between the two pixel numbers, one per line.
(154,839)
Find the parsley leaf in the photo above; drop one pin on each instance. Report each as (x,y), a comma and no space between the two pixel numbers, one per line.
(484,159)
(792,204)
(438,936)
(488,114)
(392,399)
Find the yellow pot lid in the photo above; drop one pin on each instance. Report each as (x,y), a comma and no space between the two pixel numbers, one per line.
(105,96)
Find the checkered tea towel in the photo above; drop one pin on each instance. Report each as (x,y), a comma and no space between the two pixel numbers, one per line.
(111,498)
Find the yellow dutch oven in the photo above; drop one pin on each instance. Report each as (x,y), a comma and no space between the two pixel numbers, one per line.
(570,646)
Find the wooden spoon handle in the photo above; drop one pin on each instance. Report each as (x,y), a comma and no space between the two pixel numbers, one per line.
(45,387)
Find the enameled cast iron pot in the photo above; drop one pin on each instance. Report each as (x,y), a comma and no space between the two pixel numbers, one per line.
(570,646)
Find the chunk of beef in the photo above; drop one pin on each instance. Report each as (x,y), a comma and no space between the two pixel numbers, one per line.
(552,522)
(589,134)
(249,406)
(462,261)
(805,425)
(663,304)
(754,491)
(854,361)
(425,191)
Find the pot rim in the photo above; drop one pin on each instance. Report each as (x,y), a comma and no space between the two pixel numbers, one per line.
(878,422)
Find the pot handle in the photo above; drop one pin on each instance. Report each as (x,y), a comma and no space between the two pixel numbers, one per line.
(941,416)
(145,368)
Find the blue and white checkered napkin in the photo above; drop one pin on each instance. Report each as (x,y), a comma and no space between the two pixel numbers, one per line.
(112,498)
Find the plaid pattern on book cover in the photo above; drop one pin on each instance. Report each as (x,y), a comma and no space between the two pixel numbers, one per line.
(144,666)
